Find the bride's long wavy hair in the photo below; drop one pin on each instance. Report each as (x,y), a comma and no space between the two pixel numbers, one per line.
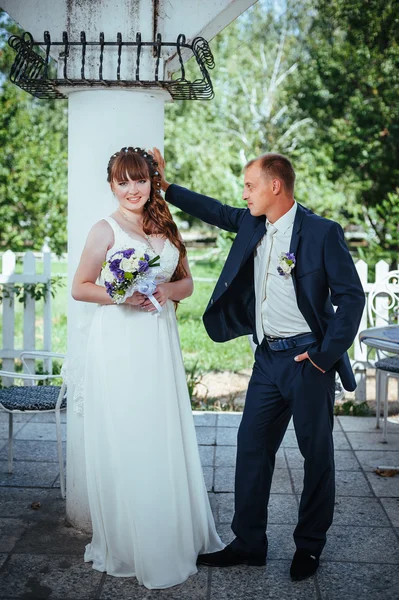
(136,164)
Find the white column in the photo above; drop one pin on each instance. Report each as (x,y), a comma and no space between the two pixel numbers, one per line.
(100,123)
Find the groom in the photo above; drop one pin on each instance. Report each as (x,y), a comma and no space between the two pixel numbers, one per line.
(286,271)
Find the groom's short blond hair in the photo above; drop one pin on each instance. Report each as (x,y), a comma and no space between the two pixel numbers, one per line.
(276,165)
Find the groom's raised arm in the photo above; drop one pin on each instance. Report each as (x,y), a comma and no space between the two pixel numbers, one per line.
(207,209)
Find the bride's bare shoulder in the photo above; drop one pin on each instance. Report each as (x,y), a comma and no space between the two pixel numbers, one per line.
(101,232)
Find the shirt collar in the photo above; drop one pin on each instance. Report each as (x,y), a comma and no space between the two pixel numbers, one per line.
(286,221)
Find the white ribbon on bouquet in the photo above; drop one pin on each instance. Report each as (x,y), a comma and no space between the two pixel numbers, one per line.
(147,287)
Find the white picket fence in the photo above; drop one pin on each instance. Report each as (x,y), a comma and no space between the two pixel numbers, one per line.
(8,352)
(8,278)
(361,361)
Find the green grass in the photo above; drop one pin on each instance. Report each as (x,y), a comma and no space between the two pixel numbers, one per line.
(197,347)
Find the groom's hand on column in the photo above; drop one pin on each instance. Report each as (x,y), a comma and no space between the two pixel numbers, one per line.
(305,356)
(161,167)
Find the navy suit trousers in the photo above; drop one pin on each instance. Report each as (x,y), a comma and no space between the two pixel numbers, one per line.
(280,388)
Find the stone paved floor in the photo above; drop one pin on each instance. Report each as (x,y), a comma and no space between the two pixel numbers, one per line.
(41,557)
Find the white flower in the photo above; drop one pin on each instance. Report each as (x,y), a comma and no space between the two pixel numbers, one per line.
(107,274)
(286,262)
(130,264)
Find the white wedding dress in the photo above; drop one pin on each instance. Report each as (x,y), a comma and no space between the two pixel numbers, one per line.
(148,502)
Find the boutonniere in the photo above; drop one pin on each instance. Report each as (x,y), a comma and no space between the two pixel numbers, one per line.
(286,262)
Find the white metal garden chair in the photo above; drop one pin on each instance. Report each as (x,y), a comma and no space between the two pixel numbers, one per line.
(383,309)
(32,398)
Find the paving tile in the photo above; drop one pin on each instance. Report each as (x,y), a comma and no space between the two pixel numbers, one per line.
(208,477)
(52,537)
(371,459)
(224,479)
(28,474)
(373,441)
(364,424)
(214,504)
(3,557)
(40,431)
(229,419)
(16,427)
(123,588)
(362,544)
(384,487)
(391,506)
(359,512)
(48,417)
(207,454)
(61,577)
(204,419)
(340,441)
(10,531)
(18,417)
(32,450)
(345,460)
(226,436)
(224,503)
(352,581)
(260,583)
(348,483)
(289,440)
(206,436)
(16,502)
(225,456)
(281,482)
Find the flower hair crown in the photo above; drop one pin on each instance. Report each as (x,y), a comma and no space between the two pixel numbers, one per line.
(153,165)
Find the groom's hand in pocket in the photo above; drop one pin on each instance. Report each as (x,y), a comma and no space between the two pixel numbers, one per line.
(305,356)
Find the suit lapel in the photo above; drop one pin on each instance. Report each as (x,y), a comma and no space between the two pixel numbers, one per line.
(257,235)
(296,238)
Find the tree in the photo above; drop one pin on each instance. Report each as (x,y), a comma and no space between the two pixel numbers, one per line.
(33,162)
(208,144)
(348,85)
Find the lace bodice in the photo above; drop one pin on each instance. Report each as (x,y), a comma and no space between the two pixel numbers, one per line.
(169,255)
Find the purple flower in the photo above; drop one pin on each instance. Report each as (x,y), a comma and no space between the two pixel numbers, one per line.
(143,265)
(120,273)
(291,256)
(128,253)
(114,265)
(109,287)
(146,257)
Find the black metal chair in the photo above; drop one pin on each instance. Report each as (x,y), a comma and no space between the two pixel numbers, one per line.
(32,398)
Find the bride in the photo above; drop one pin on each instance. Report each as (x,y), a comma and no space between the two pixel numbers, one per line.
(148,502)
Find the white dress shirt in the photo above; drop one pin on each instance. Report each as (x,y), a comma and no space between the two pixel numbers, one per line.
(276,308)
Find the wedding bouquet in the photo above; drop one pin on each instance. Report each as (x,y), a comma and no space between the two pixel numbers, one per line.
(126,272)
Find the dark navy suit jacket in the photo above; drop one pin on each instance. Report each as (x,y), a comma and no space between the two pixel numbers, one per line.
(324,276)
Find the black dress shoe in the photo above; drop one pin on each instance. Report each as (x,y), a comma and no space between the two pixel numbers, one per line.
(304,565)
(229,557)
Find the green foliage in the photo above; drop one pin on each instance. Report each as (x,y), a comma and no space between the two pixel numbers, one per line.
(33,162)
(194,375)
(37,291)
(352,409)
(348,84)
(314,79)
